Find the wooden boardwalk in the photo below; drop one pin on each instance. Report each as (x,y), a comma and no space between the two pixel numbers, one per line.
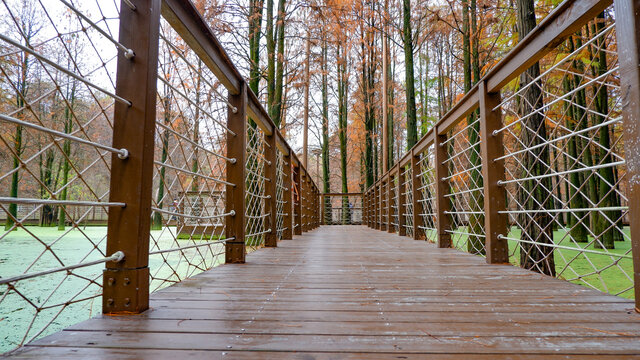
(356,293)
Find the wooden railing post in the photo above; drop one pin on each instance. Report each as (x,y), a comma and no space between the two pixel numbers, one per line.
(390,196)
(235,250)
(287,208)
(491,147)
(384,199)
(305,201)
(416,183)
(442,187)
(401,202)
(368,208)
(271,175)
(628,37)
(314,207)
(126,283)
(376,206)
(297,221)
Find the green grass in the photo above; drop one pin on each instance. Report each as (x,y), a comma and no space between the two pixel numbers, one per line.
(602,272)
(20,248)
(205,237)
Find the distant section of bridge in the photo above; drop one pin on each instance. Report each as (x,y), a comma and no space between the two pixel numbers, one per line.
(352,292)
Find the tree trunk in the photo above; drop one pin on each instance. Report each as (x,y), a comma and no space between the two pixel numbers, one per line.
(66,149)
(255,25)
(412,130)
(537,226)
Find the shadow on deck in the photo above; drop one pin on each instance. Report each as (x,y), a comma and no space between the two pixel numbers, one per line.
(352,292)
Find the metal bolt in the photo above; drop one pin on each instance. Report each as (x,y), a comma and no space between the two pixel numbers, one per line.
(127,302)
(127,281)
(109,302)
(111,281)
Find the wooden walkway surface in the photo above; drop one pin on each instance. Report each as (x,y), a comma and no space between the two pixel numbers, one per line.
(356,293)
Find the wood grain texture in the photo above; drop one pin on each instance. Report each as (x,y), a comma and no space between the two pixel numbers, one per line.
(350,292)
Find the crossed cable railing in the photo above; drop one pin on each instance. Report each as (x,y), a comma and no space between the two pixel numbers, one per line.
(531,166)
(146,153)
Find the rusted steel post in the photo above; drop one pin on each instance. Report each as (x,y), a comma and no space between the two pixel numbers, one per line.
(287,207)
(418,205)
(271,175)
(442,188)
(235,250)
(402,231)
(126,283)
(491,147)
(298,202)
(390,201)
(628,35)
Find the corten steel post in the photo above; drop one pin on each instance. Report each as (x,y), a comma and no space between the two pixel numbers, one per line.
(287,207)
(402,231)
(297,220)
(491,147)
(442,188)
(628,35)
(235,250)
(126,283)
(271,175)
(418,205)
(390,199)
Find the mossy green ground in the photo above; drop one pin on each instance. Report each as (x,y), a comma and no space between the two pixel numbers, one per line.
(603,272)
(20,248)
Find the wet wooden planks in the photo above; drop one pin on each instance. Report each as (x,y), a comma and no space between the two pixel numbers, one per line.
(354,293)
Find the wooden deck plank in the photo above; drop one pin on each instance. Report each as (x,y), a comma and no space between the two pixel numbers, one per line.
(353,293)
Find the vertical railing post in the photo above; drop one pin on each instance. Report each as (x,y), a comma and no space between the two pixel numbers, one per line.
(627,16)
(418,205)
(314,196)
(287,208)
(383,205)
(305,201)
(271,175)
(297,221)
(376,206)
(379,205)
(365,208)
(126,283)
(370,206)
(373,205)
(235,250)
(390,196)
(491,147)
(402,231)
(442,188)
(322,220)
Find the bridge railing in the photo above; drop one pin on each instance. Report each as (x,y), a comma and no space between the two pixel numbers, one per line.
(537,164)
(133,109)
(341,208)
